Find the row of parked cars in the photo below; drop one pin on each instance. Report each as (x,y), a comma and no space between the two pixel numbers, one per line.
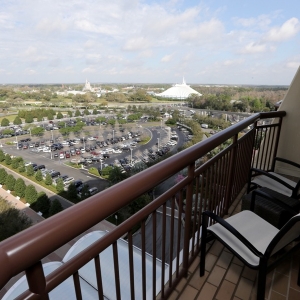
(67,180)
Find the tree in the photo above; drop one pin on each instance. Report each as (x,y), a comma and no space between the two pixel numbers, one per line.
(3,175)
(77,113)
(55,207)
(17,120)
(59,115)
(70,113)
(72,193)
(22,167)
(48,179)
(15,163)
(116,175)
(30,170)
(12,220)
(39,175)
(60,185)
(2,156)
(10,182)
(30,194)
(20,187)
(8,159)
(42,203)
(86,112)
(37,131)
(4,122)
(28,118)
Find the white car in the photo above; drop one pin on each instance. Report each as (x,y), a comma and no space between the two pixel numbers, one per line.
(117,151)
(91,138)
(68,180)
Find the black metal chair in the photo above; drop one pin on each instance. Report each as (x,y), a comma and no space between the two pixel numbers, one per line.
(273,180)
(253,240)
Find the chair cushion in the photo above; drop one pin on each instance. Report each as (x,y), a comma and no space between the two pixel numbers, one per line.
(258,232)
(272,212)
(265,181)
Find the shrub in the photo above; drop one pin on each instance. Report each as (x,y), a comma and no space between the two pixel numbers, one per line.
(15,163)
(10,182)
(8,159)
(55,207)
(39,175)
(22,168)
(60,185)
(48,179)
(3,175)
(30,171)
(2,155)
(30,194)
(20,187)
(42,203)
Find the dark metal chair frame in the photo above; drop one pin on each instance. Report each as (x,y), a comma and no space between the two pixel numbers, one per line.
(264,266)
(295,193)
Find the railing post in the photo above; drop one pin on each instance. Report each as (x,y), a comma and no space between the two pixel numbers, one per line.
(231,173)
(36,280)
(188,215)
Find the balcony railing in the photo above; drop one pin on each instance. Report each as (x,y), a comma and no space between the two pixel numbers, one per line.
(215,172)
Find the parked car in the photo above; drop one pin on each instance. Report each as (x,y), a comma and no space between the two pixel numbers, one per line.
(93,191)
(68,180)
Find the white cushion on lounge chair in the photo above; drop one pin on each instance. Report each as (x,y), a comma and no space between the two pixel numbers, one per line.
(255,225)
(265,181)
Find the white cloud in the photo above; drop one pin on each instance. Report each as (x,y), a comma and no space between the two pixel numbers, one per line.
(293,64)
(167,58)
(138,43)
(89,70)
(285,32)
(253,48)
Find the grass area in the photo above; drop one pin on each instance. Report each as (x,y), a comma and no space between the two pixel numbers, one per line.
(145,141)
(73,165)
(32,178)
(11,118)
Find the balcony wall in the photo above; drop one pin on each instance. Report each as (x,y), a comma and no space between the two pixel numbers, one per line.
(168,228)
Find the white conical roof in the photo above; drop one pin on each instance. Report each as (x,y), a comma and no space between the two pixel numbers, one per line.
(179,91)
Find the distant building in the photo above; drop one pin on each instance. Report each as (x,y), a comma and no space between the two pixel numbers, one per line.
(179,91)
(87,87)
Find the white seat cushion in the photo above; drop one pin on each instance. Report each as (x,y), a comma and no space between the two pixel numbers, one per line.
(255,229)
(265,181)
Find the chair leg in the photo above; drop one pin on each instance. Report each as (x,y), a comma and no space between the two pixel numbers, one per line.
(203,246)
(298,281)
(261,282)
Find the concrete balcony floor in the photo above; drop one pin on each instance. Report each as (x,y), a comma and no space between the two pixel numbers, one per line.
(227,278)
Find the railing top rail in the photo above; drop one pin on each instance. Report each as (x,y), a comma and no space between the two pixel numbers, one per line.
(40,240)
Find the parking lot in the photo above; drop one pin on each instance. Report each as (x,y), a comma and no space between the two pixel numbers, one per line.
(120,148)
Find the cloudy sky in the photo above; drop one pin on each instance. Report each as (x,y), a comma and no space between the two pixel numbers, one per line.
(148,41)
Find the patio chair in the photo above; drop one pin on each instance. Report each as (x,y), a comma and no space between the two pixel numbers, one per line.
(253,240)
(273,180)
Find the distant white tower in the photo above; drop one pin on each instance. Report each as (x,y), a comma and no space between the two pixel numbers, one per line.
(87,86)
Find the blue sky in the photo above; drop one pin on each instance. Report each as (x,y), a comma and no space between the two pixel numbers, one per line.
(139,41)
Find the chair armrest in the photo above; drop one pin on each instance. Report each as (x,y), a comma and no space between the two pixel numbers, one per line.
(261,172)
(287,161)
(271,198)
(233,231)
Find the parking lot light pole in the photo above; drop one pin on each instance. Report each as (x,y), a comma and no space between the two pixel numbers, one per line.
(16,142)
(131,156)
(113,134)
(158,144)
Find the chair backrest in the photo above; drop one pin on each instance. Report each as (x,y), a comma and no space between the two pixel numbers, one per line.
(288,233)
